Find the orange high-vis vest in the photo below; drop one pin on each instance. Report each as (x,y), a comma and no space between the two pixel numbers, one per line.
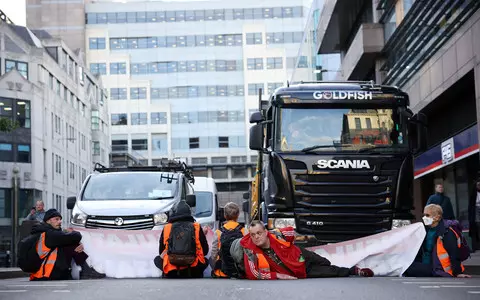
(262,263)
(48,260)
(167,266)
(229,225)
(443,256)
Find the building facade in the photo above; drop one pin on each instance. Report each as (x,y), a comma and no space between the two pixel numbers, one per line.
(63,124)
(431,50)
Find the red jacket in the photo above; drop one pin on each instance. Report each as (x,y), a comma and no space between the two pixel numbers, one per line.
(260,266)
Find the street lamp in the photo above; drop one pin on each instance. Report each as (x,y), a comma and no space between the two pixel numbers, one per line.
(14,217)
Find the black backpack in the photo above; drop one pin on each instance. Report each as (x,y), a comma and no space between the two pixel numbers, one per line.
(27,256)
(226,239)
(181,244)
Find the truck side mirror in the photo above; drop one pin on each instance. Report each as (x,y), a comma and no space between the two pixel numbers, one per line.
(256,137)
(246,195)
(191,200)
(256,117)
(246,207)
(71,202)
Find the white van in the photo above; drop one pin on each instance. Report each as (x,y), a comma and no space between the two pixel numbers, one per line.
(206,208)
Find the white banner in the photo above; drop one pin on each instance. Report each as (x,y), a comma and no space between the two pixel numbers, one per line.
(130,254)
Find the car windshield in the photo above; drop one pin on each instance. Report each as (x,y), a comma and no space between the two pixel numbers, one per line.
(338,129)
(131,186)
(204,204)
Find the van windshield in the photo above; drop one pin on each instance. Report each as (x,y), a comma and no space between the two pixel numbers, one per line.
(131,186)
(204,206)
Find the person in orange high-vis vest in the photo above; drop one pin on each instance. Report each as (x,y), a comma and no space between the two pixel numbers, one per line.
(181,215)
(221,260)
(57,249)
(439,254)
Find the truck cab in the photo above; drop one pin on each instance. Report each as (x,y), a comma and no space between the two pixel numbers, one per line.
(336,160)
(131,198)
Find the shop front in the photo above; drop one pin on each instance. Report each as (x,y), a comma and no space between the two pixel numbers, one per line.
(453,163)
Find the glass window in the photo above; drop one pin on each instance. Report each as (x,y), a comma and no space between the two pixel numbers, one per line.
(272,86)
(239,159)
(138,119)
(199,15)
(182,66)
(118,68)
(210,40)
(240,173)
(194,143)
(170,16)
(6,153)
(220,173)
(158,118)
(248,13)
(192,92)
(119,119)
(254,38)
(193,117)
(118,93)
(23,113)
(159,144)
(223,141)
(22,67)
(172,67)
(190,41)
(238,14)
(190,15)
(180,16)
(161,17)
(92,18)
(277,12)
(297,12)
(209,15)
(96,43)
(139,144)
(219,14)
(98,68)
(121,17)
(390,24)
(222,116)
(138,93)
(191,66)
(255,63)
(253,88)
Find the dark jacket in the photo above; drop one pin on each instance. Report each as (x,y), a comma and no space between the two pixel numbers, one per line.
(56,238)
(472,214)
(445,203)
(182,213)
(450,244)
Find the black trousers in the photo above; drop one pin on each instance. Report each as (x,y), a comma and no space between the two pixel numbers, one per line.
(417,269)
(193,272)
(79,258)
(320,267)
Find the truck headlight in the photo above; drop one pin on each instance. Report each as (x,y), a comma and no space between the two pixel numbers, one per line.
(79,217)
(280,223)
(160,218)
(400,223)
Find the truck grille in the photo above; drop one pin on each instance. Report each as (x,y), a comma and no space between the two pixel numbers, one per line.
(143,222)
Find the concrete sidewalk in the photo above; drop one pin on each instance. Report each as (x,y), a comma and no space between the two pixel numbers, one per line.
(6,273)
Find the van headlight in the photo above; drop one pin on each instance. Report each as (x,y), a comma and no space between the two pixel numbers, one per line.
(400,223)
(78,217)
(160,218)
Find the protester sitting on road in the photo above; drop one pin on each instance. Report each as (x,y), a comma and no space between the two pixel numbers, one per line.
(57,248)
(221,261)
(38,214)
(272,255)
(183,245)
(439,255)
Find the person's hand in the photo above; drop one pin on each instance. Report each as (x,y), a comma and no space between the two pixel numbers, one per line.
(79,249)
(285,277)
(463,276)
(69,230)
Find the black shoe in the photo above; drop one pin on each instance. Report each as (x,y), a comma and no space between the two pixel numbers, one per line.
(90,273)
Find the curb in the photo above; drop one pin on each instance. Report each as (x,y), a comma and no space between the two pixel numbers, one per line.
(472,270)
(13,274)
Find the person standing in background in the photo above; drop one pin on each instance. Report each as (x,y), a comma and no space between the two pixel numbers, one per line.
(440,199)
(474,215)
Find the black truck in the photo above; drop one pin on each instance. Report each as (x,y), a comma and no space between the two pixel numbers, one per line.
(335,160)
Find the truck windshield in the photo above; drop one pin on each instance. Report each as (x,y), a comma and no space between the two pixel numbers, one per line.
(338,129)
(130,186)
(204,204)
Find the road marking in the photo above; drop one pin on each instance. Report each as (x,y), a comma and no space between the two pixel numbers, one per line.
(429,286)
(461,286)
(474,292)
(61,291)
(433,282)
(39,285)
(12,291)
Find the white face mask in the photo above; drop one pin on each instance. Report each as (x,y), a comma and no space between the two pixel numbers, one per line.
(427,221)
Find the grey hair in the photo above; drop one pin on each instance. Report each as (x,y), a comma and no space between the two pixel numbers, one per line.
(437,209)
(231,211)
(257,223)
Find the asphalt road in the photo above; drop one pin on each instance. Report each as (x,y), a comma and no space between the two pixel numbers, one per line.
(331,288)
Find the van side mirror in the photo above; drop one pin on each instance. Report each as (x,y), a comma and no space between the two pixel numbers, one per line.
(221,215)
(191,200)
(256,117)
(256,137)
(71,202)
